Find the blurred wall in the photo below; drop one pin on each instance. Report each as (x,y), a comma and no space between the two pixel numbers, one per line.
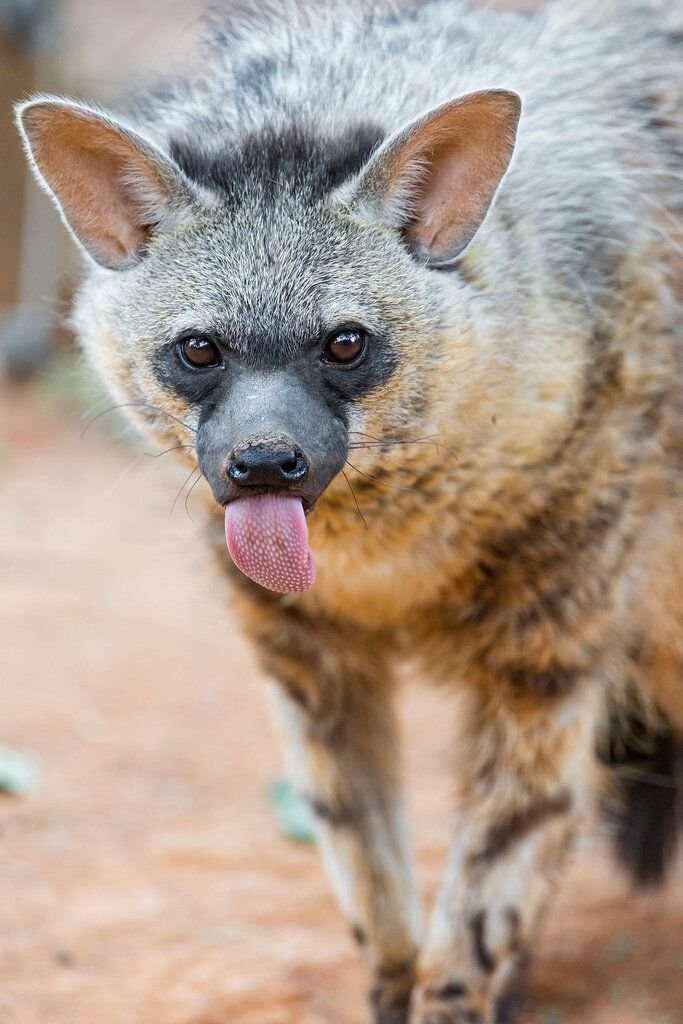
(86,48)
(90,49)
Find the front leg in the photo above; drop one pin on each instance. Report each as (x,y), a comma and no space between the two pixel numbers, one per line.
(335,702)
(526,773)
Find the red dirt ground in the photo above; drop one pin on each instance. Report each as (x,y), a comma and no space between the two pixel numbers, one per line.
(146,881)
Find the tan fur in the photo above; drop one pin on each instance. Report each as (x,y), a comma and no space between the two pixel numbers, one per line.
(426,595)
(508,518)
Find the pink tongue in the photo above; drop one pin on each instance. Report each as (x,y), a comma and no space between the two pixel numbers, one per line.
(268,541)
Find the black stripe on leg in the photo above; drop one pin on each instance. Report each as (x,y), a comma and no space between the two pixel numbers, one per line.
(511,999)
(390,1007)
(337,816)
(390,972)
(446,1017)
(508,1008)
(510,830)
(558,682)
(483,955)
(359,935)
(515,930)
(451,990)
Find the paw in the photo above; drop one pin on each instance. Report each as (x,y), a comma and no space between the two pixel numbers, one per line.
(391,996)
(392,1014)
(452,1003)
(452,1016)
(508,1008)
(389,1007)
(452,1006)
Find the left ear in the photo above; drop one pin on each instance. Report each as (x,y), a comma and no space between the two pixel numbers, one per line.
(113,187)
(436,179)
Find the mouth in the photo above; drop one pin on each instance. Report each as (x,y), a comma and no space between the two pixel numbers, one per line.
(267,538)
(308,504)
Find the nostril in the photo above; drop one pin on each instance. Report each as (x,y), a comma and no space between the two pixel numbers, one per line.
(294,467)
(261,465)
(238,470)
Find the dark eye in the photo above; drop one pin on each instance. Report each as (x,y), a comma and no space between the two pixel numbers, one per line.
(345,346)
(199,353)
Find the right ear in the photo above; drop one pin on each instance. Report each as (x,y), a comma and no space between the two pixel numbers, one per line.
(112,187)
(435,179)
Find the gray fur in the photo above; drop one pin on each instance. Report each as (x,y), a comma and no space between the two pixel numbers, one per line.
(590,173)
(583,88)
(513,555)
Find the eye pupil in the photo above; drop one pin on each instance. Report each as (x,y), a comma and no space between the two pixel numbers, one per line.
(345,346)
(200,352)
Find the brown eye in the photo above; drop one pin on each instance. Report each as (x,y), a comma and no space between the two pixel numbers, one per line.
(345,346)
(199,352)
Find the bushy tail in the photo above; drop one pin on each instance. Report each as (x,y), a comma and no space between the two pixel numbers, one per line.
(646,805)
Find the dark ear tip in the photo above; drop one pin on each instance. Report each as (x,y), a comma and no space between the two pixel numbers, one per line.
(510,101)
(502,105)
(515,101)
(33,114)
(24,112)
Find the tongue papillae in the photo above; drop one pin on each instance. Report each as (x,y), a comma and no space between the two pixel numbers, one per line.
(267,539)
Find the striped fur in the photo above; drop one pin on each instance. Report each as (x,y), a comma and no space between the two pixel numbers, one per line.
(512,523)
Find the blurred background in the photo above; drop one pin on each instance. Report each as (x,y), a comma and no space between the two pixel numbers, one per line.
(152,871)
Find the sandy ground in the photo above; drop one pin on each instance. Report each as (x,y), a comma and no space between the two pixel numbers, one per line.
(146,881)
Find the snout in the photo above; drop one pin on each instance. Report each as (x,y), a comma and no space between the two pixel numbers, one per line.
(279,463)
(270,433)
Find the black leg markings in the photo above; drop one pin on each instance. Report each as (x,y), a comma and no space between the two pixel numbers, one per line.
(555,683)
(451,990)
(505,833)
(389,1007)
(484,958)
(392,972)
(338,816)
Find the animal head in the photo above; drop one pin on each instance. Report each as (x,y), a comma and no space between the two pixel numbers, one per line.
(263,304)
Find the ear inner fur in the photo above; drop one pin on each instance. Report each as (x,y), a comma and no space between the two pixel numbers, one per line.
(110,185)
(436,179)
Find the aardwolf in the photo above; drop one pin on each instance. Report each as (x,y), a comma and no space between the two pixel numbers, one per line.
(401,282)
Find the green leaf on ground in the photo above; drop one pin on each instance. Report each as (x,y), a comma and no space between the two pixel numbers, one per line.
(618,991)
(552,1015)
(292,812)
(19,774)
(621,949)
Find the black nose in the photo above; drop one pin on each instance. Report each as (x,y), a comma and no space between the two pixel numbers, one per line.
(261,465)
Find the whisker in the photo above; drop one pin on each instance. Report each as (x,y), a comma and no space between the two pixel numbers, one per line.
(138,405)
(372,437)
(361,445)
(378,442)
(382,444)
(185,483)
(393,440)
(175,448)
(353,495)
(395,487)
(187,497)
(133,462)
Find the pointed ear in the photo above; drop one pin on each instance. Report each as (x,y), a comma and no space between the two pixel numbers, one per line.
(112,187)
(435,179)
